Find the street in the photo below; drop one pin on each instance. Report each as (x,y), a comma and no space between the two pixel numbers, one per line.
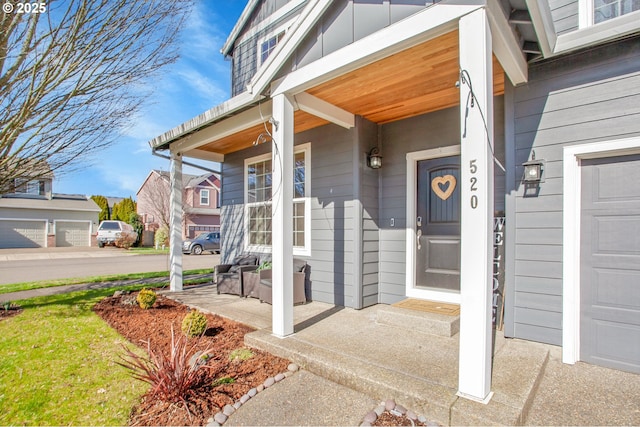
(46,264)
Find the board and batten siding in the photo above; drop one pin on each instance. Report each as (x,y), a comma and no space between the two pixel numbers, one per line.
(434,130)
(582,98)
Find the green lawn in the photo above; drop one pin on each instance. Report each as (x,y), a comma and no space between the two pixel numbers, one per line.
(57,365)
(25,286)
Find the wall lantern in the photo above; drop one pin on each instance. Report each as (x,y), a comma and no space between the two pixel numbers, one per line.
(375,159)
(533,170)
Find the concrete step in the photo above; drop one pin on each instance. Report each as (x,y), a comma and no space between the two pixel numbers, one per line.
(380,382)
(419,321)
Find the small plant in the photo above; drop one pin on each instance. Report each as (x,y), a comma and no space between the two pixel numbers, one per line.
(171,376)
(240,354)
(264,266)
(224,380)
(146,298)
(6,305)
(194,324)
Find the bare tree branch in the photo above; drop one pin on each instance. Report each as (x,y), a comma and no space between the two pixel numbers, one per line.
(72,78)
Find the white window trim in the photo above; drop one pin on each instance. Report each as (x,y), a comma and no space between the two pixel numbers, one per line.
(202,192)
(280,29)
(572,159)
(585,15)
(451,297)
(297,250)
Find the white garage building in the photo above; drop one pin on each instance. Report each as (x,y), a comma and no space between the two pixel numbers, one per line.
(28,221)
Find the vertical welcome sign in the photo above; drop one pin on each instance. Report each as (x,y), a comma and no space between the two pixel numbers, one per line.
(498,273)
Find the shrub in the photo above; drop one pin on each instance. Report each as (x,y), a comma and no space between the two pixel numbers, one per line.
(240,354)
(171,376)
(194,324)
(126,240)
(161,237)
(146,298)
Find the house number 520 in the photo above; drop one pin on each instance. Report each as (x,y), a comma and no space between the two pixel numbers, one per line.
(473,168)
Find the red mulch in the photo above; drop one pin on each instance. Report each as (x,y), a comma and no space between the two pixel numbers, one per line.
(138,326)
(11,311)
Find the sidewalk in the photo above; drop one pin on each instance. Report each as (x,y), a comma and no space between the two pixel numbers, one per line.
(361,360)
(60,253)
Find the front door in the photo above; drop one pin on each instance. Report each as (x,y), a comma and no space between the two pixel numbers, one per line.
(438,225)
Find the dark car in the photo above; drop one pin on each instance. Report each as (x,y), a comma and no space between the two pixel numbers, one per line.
(207,241)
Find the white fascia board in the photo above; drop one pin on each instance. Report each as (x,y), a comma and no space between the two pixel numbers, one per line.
(204,155)
(218,112)
(505,45)
(307,19)
(599,33)
(325,110)
(432,22)
(230,125)
(543,25)
(235,32)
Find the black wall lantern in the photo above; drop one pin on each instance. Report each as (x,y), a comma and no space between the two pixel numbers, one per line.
(375,159)
(533,170)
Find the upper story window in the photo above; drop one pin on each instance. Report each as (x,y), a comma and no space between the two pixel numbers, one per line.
(267,45)
(24,186)
(604,10)
(596,11)
(258,202)
(204,197)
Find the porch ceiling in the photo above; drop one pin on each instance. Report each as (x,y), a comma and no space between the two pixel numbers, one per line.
(415,81)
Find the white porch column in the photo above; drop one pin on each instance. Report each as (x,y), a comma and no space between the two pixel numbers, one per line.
(175,223)
(476,180)
(282,216)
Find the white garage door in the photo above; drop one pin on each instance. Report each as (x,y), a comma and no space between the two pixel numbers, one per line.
(610,263)
(22,233)
(72,233)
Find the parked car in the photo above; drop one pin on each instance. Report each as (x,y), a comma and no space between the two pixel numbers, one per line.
(109,231)
(207,241)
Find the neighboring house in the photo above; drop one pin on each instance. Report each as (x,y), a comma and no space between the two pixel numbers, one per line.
(370,141)
(201,208)
(32,216)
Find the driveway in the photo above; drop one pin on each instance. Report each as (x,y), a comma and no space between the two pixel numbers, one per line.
(27,265)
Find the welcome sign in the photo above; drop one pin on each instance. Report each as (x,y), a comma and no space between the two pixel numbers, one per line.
(497,314)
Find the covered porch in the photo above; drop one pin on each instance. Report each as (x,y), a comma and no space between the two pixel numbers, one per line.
(448,55)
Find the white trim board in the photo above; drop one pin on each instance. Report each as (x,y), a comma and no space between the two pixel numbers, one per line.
(412,160)
(572,159)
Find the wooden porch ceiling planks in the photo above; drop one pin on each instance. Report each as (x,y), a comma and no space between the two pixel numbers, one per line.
(415,81)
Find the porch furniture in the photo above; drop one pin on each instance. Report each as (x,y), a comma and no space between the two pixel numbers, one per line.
(228,277)
(251,279)
(299,280)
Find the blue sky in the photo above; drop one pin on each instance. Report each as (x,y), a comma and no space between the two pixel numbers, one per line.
(200,80)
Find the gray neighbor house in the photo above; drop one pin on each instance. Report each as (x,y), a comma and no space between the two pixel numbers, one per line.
(410,149)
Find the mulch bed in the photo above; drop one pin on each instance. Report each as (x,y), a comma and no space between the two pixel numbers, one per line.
(138,325)
(12,310)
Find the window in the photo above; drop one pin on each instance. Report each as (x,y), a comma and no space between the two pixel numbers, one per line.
(258,194)
(267,46)
(29,187)
(607,9)
(597,11)
(204,197)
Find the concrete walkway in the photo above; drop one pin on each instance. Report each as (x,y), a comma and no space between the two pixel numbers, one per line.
(351,358)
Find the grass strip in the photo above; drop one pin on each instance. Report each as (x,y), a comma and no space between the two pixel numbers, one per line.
(57,364)
(25,286)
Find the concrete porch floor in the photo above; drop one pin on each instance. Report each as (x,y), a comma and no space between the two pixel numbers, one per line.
(420,371)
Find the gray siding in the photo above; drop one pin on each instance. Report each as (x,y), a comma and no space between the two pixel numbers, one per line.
(333,248)
(245,52)
(438,129)
(347,21)
(582,98)
(565,15)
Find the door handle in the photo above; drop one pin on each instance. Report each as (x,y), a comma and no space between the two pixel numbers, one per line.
(418,235)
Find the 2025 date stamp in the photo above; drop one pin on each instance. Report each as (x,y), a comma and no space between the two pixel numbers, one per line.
(24,7)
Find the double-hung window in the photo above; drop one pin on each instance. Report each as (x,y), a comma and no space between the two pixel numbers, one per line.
(204,197)
(259,189)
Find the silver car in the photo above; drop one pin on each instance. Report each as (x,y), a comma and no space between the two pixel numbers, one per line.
(207,241)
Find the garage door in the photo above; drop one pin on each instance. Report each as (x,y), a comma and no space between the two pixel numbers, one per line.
(72,233)
(610,263)
(22,234)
